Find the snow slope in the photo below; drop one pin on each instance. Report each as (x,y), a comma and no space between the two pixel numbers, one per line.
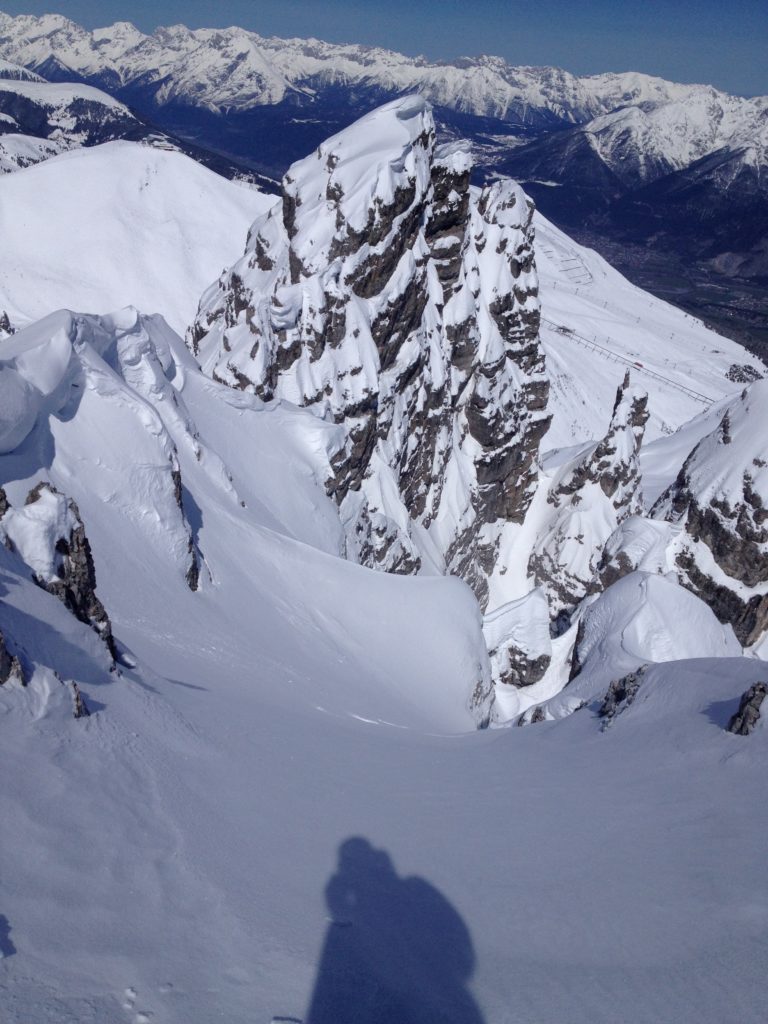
(16,72)
(596,326)
(177,845)
(18,151)
(115,225)
(280,807)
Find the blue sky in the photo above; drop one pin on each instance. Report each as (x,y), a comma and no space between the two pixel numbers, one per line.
(722,42)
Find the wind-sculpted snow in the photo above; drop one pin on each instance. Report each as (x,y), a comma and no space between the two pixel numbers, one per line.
(114,467)
(19,404)
(64,361)
(388,296)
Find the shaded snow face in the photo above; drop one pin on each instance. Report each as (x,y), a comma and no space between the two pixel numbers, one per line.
(387,296)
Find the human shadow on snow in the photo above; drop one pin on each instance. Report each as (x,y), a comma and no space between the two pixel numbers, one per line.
(396,951)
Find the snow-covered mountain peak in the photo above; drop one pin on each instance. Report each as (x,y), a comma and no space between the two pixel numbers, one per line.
(117,38)
(733,458)
(349,185)
(387,295)
(211,68)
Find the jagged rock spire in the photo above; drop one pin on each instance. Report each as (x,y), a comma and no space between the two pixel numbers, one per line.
(388,295)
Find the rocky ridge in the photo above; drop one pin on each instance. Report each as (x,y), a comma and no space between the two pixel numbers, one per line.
(398,306)
(387,295)
(392,299)
(720,498)
(589,498)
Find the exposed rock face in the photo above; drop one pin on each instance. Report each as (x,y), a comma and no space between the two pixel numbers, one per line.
(80,707)
(9,663)
(3,503)
(748,715)
(590,497)
(620,694)
(192,575)
(6,327)
(49,534)
(387,295)
(720,497)
(519,644)
(743,373)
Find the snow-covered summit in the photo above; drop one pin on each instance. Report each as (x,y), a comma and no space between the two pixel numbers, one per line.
(40,119)
(338,196)
(387,295)
(235,68)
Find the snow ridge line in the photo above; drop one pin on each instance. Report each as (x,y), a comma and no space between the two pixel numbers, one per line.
(568,332)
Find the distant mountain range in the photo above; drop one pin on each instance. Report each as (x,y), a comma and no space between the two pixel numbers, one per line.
(613,158)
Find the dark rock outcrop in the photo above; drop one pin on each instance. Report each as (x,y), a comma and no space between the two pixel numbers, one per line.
(720,497)
(80,709)
(192,575)
(748,715)
(9,664)
(620,694)
(73,580)
(6,327)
